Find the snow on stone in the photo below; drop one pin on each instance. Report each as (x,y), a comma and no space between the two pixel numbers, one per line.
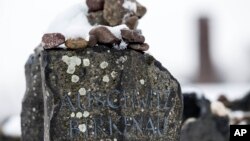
(116,30)
(72,23)
(130,5)
(219,109)
(12,127)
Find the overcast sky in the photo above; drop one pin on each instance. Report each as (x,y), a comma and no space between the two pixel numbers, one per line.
(169,27)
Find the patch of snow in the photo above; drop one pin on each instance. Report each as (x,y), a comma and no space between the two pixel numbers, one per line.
(12,127)
(130,5)
(219,109)
(116,30)
(123,45)
(72,23)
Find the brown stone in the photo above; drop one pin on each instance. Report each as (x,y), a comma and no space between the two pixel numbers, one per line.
(103,35)
(140,10)
(113,12)
(95,5)
(52,40)
(132,36)
(132,22)
(139,47)
(97,18)
(92,41)
(76,43)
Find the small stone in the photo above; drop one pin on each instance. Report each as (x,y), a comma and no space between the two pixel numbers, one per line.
(96,18)
(82,128)
(75,78)
(132,36)
(95,5)
(52,40)
(140,10)
(76,43)
(139,47)
(132,22)
(92,41)
(114,12)
(103,35)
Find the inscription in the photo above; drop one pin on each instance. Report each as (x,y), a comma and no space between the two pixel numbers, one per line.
(142,114)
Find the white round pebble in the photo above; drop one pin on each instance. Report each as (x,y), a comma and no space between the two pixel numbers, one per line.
(105,78)
(115,139)
(79,115)
(75,78)
(86,62)
(85,114)
(82,128)
(104,65)
(82,91)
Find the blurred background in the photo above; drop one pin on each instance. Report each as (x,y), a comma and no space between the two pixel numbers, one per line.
(205,44)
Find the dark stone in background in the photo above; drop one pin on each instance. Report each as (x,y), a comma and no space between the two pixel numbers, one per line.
(101,93)
(242,104)
(32,105)
(199,124)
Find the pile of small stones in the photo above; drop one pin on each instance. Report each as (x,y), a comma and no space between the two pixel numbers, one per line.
(105,14)
(115,12)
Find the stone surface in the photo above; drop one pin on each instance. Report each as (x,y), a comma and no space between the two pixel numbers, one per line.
(140,10)
(132,36)
(95,5)
(118,95)
(113,12)
(52,40)
(139,47)
(76,43)
(103,35)
(32,104)
(96,18)
(132,22)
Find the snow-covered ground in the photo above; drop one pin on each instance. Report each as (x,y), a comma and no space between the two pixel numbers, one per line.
(169,28)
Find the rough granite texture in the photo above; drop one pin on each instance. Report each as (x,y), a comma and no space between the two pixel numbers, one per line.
(105,94)
(32,104)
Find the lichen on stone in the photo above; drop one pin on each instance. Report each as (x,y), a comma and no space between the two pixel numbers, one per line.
(104,65)
(75,78)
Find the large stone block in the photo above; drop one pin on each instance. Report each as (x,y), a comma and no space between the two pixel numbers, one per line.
(101,93)
(32,106)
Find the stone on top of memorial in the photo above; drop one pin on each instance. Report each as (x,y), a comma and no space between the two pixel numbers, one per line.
(115,12)
(95,22)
